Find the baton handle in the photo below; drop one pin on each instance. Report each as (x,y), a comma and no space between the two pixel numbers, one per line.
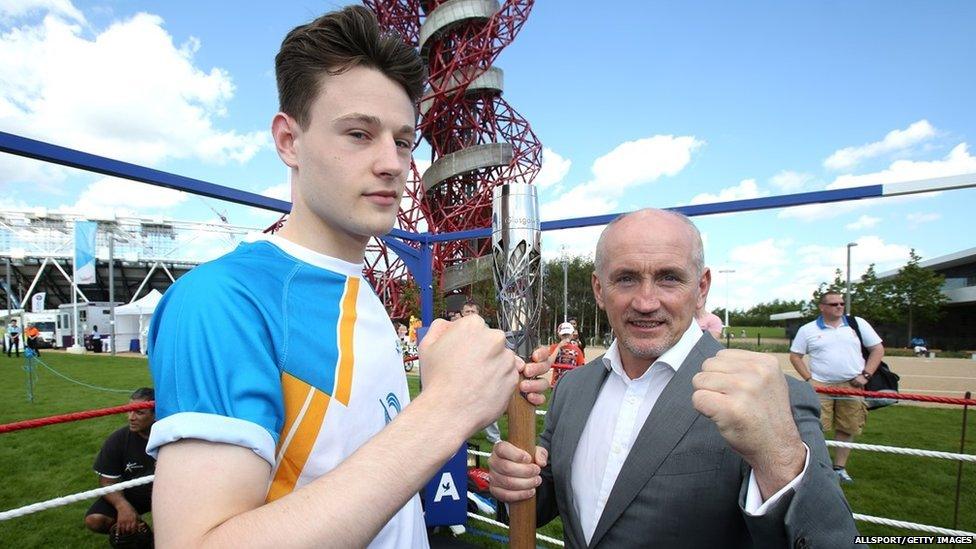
(521,433)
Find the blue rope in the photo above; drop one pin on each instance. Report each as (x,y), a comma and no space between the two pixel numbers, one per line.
(33,356)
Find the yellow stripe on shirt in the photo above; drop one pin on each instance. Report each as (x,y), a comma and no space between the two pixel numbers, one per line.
(305,409)
(347,326)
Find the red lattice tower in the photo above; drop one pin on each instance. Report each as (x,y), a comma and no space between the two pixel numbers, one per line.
(477,140)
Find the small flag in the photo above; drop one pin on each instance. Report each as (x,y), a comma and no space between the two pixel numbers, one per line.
(84,266)
(37,302)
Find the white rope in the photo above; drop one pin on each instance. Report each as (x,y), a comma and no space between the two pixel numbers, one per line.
(903,451)
(478,453)
(547,539)
(911,525)
(81,496)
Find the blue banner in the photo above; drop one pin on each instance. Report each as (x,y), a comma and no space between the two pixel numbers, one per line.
(84,264)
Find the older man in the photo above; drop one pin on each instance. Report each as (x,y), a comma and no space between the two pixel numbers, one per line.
(668,440)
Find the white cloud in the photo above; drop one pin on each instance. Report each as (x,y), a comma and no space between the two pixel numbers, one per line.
(916,219)
(14,9)
(957,162)
(779,269)
(764,253)
(644,160)
(790,181)
(554,168)
(863,222)
(895,140)
(627,166)
(746,189)
(128,92)
(111,196)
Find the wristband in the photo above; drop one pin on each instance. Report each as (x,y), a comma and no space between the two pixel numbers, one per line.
(865,374)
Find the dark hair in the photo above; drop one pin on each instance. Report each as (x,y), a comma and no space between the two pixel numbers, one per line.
(333,44)
(143,393)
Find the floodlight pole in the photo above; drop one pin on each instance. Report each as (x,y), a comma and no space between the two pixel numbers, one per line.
(847,292)
(728,280)
(565,286)
(111,289)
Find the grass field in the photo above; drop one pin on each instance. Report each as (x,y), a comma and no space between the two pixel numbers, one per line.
(53,461)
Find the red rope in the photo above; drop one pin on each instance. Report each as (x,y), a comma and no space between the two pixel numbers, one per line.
(75,416)
(896,396)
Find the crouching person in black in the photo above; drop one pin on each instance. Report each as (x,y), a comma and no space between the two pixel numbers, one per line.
(123,457)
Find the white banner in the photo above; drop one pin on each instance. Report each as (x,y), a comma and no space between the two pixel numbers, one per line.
(84,265)
(37,302)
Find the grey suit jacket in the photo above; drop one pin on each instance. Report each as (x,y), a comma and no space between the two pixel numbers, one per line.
(682,485)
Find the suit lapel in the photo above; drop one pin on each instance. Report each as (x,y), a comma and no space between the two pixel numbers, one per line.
(574,417)
(669,420)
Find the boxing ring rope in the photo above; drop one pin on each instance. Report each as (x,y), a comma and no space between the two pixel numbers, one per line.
(89,494)
(74,498)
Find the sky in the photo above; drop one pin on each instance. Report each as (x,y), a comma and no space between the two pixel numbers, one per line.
(637,104)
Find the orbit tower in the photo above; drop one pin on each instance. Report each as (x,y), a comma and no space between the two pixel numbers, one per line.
(477,140)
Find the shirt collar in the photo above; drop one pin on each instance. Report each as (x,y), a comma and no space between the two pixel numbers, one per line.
(823,325)
(673,357)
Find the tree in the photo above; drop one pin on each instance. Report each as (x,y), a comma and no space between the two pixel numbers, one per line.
(871,298)
(916,293)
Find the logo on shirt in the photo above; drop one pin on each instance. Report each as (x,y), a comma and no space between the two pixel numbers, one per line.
(392,403)
(132,466)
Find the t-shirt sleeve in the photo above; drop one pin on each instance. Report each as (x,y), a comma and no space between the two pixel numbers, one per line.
(870,337)
(799,345)
(108,463)
(212,352)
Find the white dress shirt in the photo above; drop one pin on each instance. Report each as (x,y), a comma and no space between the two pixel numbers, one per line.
(617,417)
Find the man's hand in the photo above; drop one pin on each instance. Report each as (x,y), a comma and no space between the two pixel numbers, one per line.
(127,519)
(467,369)
(746,395)
(532,386)
(512,474)
(859,382)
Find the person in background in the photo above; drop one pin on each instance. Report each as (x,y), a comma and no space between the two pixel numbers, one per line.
(709,322)
(13,333)
(33,341)
(96,340)
(580,340)
(566,353)
(836,360)
(122,458)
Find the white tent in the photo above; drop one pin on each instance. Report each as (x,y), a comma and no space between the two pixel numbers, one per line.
(132,321)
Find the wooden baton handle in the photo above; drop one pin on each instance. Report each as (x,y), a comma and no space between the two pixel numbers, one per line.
(521,433)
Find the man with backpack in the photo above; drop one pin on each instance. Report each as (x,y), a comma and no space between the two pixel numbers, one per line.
(836,360)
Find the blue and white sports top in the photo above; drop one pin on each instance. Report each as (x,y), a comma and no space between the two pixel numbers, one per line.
(285,351)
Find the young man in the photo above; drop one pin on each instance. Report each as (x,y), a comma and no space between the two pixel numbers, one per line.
(123,457)
(283,418)
(836,361)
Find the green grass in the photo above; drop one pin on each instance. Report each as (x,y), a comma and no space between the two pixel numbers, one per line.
(52,461)
(753,331)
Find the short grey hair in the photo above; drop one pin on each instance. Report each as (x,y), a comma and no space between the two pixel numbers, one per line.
(697,251)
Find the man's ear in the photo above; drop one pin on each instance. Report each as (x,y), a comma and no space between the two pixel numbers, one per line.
(286,133)
(597,290)
(703,286)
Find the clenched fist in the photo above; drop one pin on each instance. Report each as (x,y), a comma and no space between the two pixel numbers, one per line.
(746,395)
